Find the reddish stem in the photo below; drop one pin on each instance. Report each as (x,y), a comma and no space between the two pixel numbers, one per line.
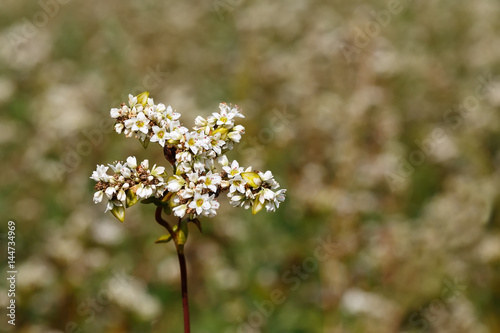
(184,287)
(182,264)
(164,223)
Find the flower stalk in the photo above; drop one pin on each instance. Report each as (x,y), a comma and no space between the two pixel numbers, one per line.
(200,172)
(179,246)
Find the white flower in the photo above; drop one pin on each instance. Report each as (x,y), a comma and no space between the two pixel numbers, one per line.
(193,177)
(199,166)
(176,132)
(233,110)
(216,143)
(267,176)
(239,128)
(280,197)
(272,205)
(180,210)
(126,172)
(184,167)
(116,167)
(200,121)
(160,135)
(100,174)
(119,128)
(184,156)
(237,184)
(144,192)
(185,193)
(214,206)
(145,164)
(170,114)
(141,123)
(115,113)
(223,161)
(129,123)
(110,191)
(211,181)
(157,171)
(132,100)
(235,136)
(204,125)
(98,196)
(224,118)
(200,203)
(132,162)
(191,141)
(266,194)
(233,170)
(237,200)
(121,196)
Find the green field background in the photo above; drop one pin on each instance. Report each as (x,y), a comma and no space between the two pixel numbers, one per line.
(381,118)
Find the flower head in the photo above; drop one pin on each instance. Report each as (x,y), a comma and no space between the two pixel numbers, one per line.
(197,179)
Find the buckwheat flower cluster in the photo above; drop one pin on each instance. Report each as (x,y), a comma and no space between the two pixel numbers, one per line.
(144,120)
(254,190)
(195,155)
(129,183)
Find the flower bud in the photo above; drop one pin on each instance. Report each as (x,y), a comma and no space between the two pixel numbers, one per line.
(119,213)
(142,98)
(257,206)
(223,132)
(131,198)
(252,179)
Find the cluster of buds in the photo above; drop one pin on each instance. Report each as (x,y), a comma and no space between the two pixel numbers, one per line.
(195,183)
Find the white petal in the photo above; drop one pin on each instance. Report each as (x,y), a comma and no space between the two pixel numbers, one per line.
(132,162)
(98,196)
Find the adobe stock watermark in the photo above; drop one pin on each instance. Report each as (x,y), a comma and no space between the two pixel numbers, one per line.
(421,319)
(292,279)
(30,27)
(74,155)
(221,7)
(453,118)
(89,308)
(251,147)
(364,35)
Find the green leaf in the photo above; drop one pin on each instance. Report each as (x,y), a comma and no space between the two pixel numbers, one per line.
(182,234)
(167,238)
(198,224)
(157,201)
(145,143)
(164,239)
(149,200)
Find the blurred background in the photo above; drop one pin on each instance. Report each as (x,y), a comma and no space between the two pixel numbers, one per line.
(381,118)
